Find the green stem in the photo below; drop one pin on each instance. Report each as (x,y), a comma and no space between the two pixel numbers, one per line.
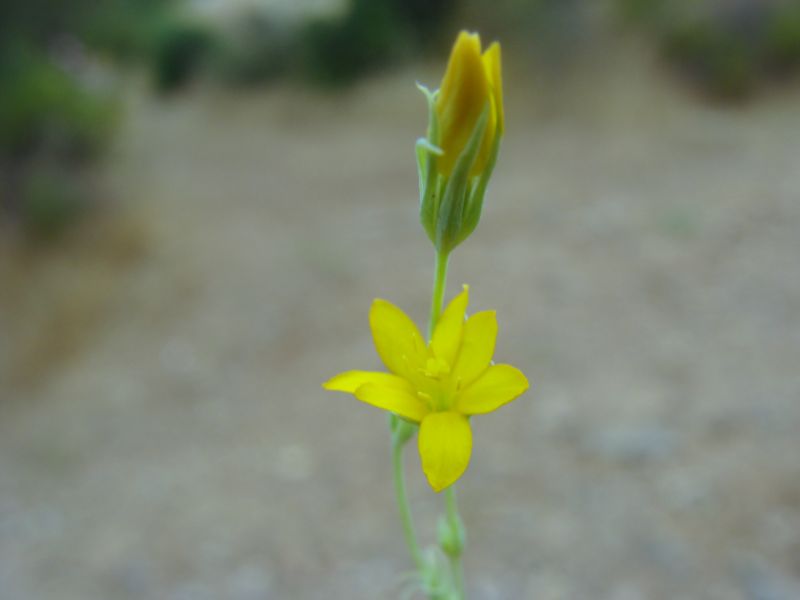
(439,284)
(456,525)
(402,501)
(453,518)
(398,440)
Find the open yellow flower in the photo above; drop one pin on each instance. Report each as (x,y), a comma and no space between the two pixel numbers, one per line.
(439,384)
(471,84)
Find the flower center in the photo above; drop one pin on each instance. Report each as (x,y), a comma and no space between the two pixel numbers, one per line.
(436,368)
(434,384)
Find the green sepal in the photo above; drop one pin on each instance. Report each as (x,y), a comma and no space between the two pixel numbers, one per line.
(472,214)
(427,153)
(450,216)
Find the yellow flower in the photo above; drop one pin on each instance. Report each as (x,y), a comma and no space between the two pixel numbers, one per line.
(438,385)
(471,84)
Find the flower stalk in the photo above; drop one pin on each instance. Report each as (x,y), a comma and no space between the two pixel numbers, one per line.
(452,533)
(454,542)
(439,285)
(435,384)
(402,431)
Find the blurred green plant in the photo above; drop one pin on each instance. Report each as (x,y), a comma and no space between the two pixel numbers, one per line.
(338,51)
(43,107)
(56,114)
(783,39)
(171,44)
(181,49)
(722,60)
(729,48)
(638,11)
(52,128)
(370,34)
(125,30)
(258,49)
(51,197)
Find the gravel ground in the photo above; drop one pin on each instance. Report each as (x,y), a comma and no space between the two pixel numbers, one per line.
(163,433)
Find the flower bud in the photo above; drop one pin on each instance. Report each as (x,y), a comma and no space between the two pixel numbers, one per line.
(452,536)
(465,124)
(470,86)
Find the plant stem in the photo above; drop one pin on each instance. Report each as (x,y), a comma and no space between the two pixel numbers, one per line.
(439,284)
(453,518)
(398,441)
(402,501)
(456,524)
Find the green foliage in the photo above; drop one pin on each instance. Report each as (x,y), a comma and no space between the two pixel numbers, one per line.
(152,32)
(640,11)
(42,105)
(259,49)
(37,21)
(727,48)
(341,50)
(51,128)
(125,29)
(426,19)
(51,197)
(372,33)
(724,62)
(181,49)
(783,39)
(54,119)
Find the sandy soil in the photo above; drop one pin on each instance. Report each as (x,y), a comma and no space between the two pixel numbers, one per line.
(162,429)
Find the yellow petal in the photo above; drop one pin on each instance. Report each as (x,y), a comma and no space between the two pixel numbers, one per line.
(447,334)
(402,402)
(498,385)
(463,96)
(477,348)
(397,340)
(350,381)
(493,66)
(445,445)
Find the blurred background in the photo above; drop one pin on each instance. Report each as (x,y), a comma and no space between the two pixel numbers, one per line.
(199,200)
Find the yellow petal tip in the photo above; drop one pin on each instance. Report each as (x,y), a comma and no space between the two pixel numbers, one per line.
(439,489)
(439,485)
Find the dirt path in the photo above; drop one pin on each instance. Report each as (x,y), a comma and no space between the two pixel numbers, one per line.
(162,429)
